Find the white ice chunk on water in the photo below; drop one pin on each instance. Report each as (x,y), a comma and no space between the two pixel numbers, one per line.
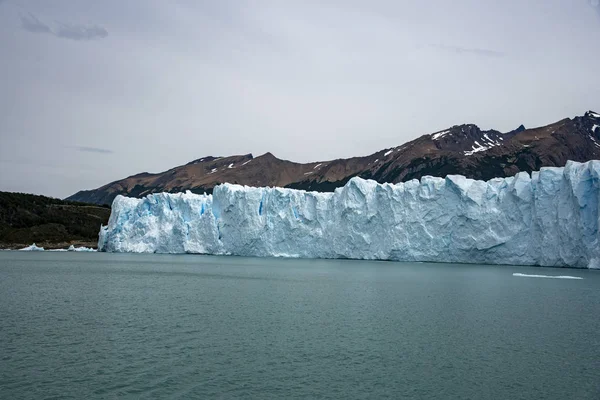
(82,248)
(33,247)
(547,276)
(550,218)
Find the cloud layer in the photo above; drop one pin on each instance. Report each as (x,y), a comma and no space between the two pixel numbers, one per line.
(33,24)
(468,50)
(89,149)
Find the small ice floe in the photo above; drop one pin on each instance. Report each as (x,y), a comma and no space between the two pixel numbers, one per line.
(82,248)
(547,276)
(33,247)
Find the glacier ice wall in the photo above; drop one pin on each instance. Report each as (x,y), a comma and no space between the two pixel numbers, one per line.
(547,219)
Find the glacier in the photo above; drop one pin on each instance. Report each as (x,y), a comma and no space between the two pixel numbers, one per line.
(548,218)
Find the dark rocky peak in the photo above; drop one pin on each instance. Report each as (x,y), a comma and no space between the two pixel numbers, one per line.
(270,158)
(508,135)
(468,139)
(141,175)
(267,155)
(589,121)
(203,160)
(592,115)
(520,129)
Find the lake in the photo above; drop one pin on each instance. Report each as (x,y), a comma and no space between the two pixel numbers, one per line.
(96,325)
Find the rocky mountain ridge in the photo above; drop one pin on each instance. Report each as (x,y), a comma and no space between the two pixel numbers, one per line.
(462,149)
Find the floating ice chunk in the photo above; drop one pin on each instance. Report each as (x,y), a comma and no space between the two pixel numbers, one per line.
(33,247)
(547,276)
(82,248)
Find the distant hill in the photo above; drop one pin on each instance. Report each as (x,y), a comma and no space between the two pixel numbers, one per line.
(49,222)
(461,149)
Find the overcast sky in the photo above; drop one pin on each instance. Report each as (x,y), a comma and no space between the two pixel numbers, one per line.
(95,90)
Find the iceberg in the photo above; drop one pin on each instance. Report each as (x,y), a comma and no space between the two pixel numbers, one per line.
(548,218)
(82,248)
(33,247)
(547,276)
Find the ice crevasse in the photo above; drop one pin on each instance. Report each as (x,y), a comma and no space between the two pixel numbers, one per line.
(549,219)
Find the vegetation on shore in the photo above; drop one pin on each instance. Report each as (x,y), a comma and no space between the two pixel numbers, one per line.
(49,222)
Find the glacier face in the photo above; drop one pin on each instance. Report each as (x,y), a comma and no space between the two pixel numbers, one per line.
(549,218)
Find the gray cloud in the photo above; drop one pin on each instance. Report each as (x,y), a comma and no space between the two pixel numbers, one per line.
(89,149)
(595,4)
(79,32)
(469,50)
(31,23)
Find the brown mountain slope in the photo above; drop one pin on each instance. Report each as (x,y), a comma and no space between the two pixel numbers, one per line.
(461,149)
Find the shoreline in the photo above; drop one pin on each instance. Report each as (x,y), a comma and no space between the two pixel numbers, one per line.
(51,245)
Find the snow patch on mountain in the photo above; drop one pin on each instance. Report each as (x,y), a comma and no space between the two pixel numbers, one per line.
(439,135)
(477,147)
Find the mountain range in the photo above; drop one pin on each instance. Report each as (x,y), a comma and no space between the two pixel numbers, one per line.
(462,149)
